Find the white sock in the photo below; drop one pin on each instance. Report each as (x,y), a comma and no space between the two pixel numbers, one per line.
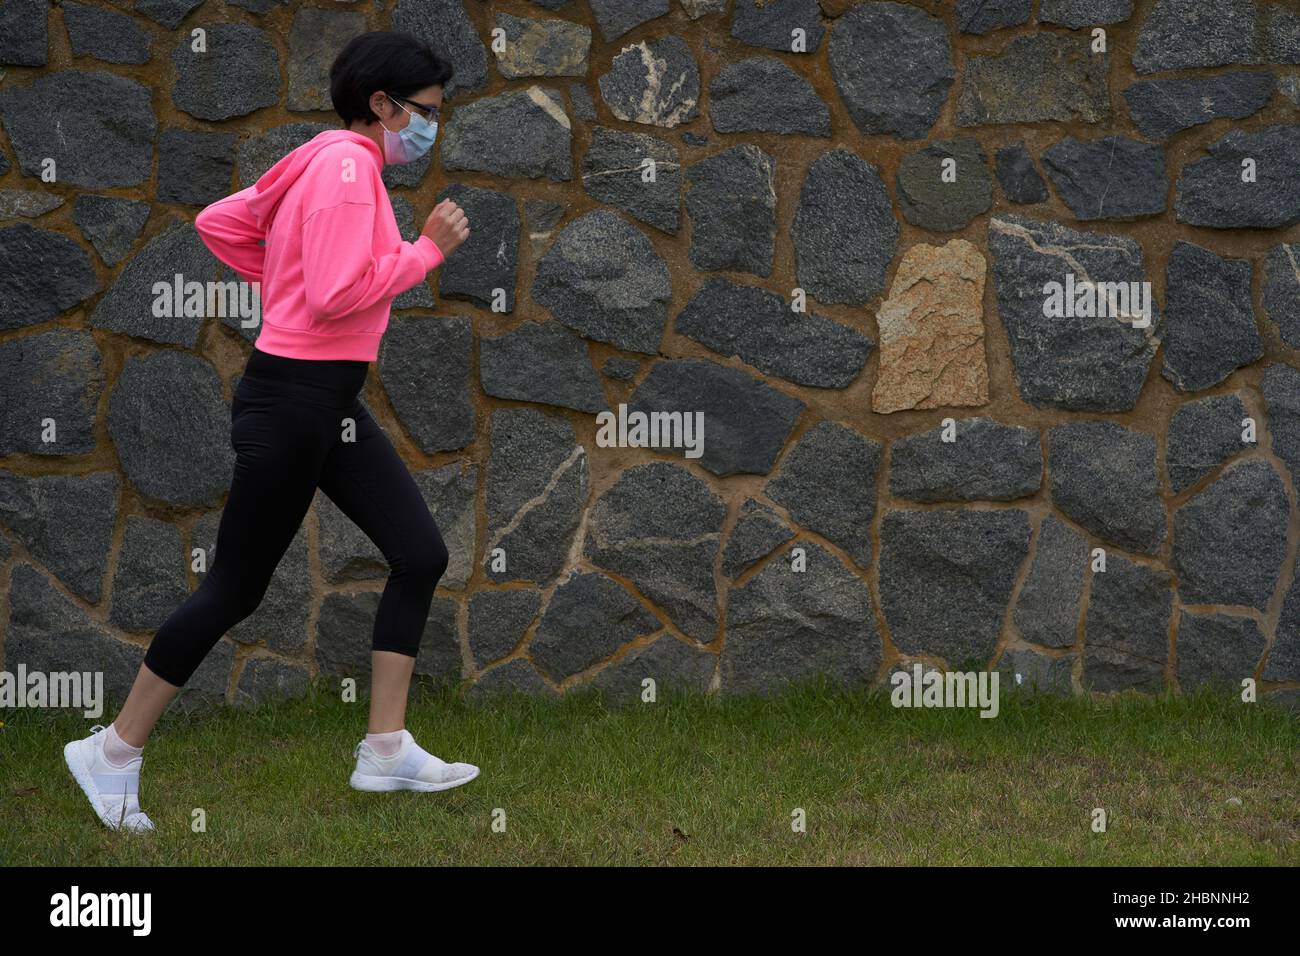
(116,750)
(386,745)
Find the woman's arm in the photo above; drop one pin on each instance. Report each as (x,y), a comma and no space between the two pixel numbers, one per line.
(340,271)
(230,233)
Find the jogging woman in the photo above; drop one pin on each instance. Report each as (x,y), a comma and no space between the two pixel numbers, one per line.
(332,262)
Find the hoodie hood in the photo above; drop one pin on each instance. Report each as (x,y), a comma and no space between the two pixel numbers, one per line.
(275,182)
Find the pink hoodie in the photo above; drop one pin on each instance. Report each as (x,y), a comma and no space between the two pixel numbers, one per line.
(333,260)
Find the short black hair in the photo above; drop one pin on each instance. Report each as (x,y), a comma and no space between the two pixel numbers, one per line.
(387,60)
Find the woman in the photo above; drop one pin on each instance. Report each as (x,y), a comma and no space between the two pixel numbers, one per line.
(332,262)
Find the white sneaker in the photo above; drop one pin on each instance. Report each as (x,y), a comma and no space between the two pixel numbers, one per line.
(113,791)
(411,768)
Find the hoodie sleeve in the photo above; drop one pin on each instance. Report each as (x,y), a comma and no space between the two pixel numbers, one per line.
(229,231)
(340,270)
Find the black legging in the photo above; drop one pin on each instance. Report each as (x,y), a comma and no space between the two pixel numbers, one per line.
(288,429)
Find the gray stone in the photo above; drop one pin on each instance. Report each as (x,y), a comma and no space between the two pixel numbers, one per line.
(498,621)
(1230,539)
(660,527)
(1211,191)
(207,686)
(758,531)
(1103,477)
(57,374)
(672,664)
(1203,434)
(65,522)
(1281,296)
(613,170)
(1039,77)
(513,677)
(536,491)
(1109,178)
(653,83)
(489,259)
(946,577)
(844,230)
(1284,656)
(893,67)
(1210,322)
(110,223)
(985,16)
(258,7)
(419,296)
(1018,176)
(177,452)
(1085,13)
(603,278)
(542,216)
(45,274)
(447,27)
(746,421)
(1281,387)
(759,327)
(1218,650)
(194,166)
(238,73)
(1187,34)
(589,617)
(731,200)
(47,632)
(167,12)
(536,47)
(257,154)
(1080,362)
(1289,86)
(617,17)
(694,8)
(541,362)
(1047,610)
(987,461)
(770,23)
(827,483)
(1161,108)
(762,94)
(1021,669)
(265,680)
(24,33)
(104,34)
(518,133)
(786,626)
(316,38)
(620,369)
(106,123)
(424,365)
(1126,636)
(931,202)
(27,203)
(150,579)
(580,102)
(344,635)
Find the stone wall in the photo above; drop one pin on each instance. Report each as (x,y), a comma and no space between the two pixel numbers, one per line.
(842,260)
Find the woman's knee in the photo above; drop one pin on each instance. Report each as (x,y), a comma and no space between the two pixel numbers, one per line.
(428,560)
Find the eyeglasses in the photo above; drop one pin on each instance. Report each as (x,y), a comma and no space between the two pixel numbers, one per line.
(430,113)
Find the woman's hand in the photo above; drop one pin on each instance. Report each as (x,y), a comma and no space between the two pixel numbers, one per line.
(447,226)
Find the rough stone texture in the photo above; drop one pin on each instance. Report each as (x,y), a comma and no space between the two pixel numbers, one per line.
(1284,657)
(65,522)
(589,617)
(1203,434)
(150,580)
(59,375)
(1211,191)
(932,331)
(653,83)
(762,94)
(1047,610)
(1217,650)
(237,74)
(541,362)
(1184,34)
(1161,108)
(1103,477)
(498,621)
(844,230)
(946,577)
(1210,322)
(760,328)
(105,35)
(46,273)
(984,16)
(542,47)
(1126,636)
(1230,539)
(445,25)
(518,132)
(1027,671)
(488,260)
(672,664)
(110,223)
(1109,178)
(731,201)
(770,24)
(616,17)
(758,531)
(1042,76)
(1281,296)
(1080,362)
(892,65)
(1281,388)
(931,199)
(424,364)
(614,171)
(1085,13)
(986,461)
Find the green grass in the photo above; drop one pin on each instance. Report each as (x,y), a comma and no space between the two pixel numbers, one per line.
(688,780)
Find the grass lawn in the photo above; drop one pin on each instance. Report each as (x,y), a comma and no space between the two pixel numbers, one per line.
(688,781)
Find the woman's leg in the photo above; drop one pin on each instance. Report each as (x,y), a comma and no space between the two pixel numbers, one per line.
(372,486)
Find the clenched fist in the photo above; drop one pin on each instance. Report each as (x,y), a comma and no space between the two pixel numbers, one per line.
(447,226)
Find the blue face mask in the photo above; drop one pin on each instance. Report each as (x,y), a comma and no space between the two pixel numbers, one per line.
(409,144)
